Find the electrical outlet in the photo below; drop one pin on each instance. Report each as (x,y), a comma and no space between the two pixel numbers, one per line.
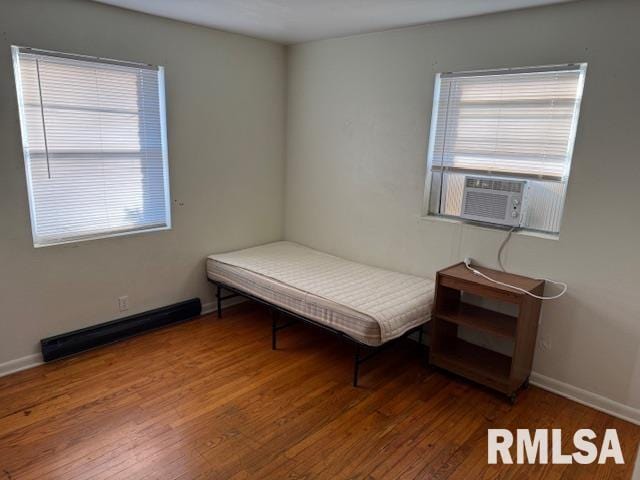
(123,303)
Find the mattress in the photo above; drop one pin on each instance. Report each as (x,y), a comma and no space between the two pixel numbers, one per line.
(369,304)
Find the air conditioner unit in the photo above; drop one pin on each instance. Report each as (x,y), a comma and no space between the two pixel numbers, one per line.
(494,200)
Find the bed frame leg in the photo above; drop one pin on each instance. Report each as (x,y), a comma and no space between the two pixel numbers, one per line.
(420,335)
(356,366)
(219,299)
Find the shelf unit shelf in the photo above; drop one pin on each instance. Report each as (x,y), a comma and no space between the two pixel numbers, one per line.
(480,318)
(498,371)
(475,363)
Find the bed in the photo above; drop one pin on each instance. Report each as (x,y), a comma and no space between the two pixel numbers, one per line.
(370,306)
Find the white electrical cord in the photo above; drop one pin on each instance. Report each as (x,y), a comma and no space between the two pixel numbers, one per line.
(504,244)
(467,262)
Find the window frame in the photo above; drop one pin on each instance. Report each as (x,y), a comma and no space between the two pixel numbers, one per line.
(99,234)
(426,203)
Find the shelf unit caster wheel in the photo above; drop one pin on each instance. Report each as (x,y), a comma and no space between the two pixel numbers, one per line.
(512,398)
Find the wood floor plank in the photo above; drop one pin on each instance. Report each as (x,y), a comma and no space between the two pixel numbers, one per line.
(209,399)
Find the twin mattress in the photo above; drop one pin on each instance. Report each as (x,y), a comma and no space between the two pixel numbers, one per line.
(371,305)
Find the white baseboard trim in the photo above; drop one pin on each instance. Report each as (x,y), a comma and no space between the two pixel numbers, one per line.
(13,366)
(587,398)
(211,307)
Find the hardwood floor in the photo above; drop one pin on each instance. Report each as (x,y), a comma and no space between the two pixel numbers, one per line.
(209,399)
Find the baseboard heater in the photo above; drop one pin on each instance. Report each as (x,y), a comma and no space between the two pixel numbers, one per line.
(109,332)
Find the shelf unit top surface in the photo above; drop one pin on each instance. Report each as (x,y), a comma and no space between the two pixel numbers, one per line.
(461,272)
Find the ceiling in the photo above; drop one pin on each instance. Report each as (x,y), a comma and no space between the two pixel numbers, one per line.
(295,21)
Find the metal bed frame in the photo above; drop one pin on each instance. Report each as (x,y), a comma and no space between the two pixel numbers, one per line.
(276,310)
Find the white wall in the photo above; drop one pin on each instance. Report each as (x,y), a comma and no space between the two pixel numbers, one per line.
(358,120)
(225,103)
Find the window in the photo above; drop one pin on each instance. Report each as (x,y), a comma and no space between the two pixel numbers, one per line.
(94,140)
(515,123)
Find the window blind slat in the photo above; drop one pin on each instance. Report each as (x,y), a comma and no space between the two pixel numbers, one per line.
(94,146)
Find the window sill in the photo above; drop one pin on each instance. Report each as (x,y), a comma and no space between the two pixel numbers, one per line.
(457,221)
(100,236)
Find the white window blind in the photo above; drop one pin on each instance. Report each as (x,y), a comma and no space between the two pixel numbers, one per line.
(519,123)
(93,132)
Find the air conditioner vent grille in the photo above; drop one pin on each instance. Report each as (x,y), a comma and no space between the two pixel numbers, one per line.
(486,205)
(494,184)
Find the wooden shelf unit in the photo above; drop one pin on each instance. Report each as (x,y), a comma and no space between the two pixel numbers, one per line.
(495,370)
